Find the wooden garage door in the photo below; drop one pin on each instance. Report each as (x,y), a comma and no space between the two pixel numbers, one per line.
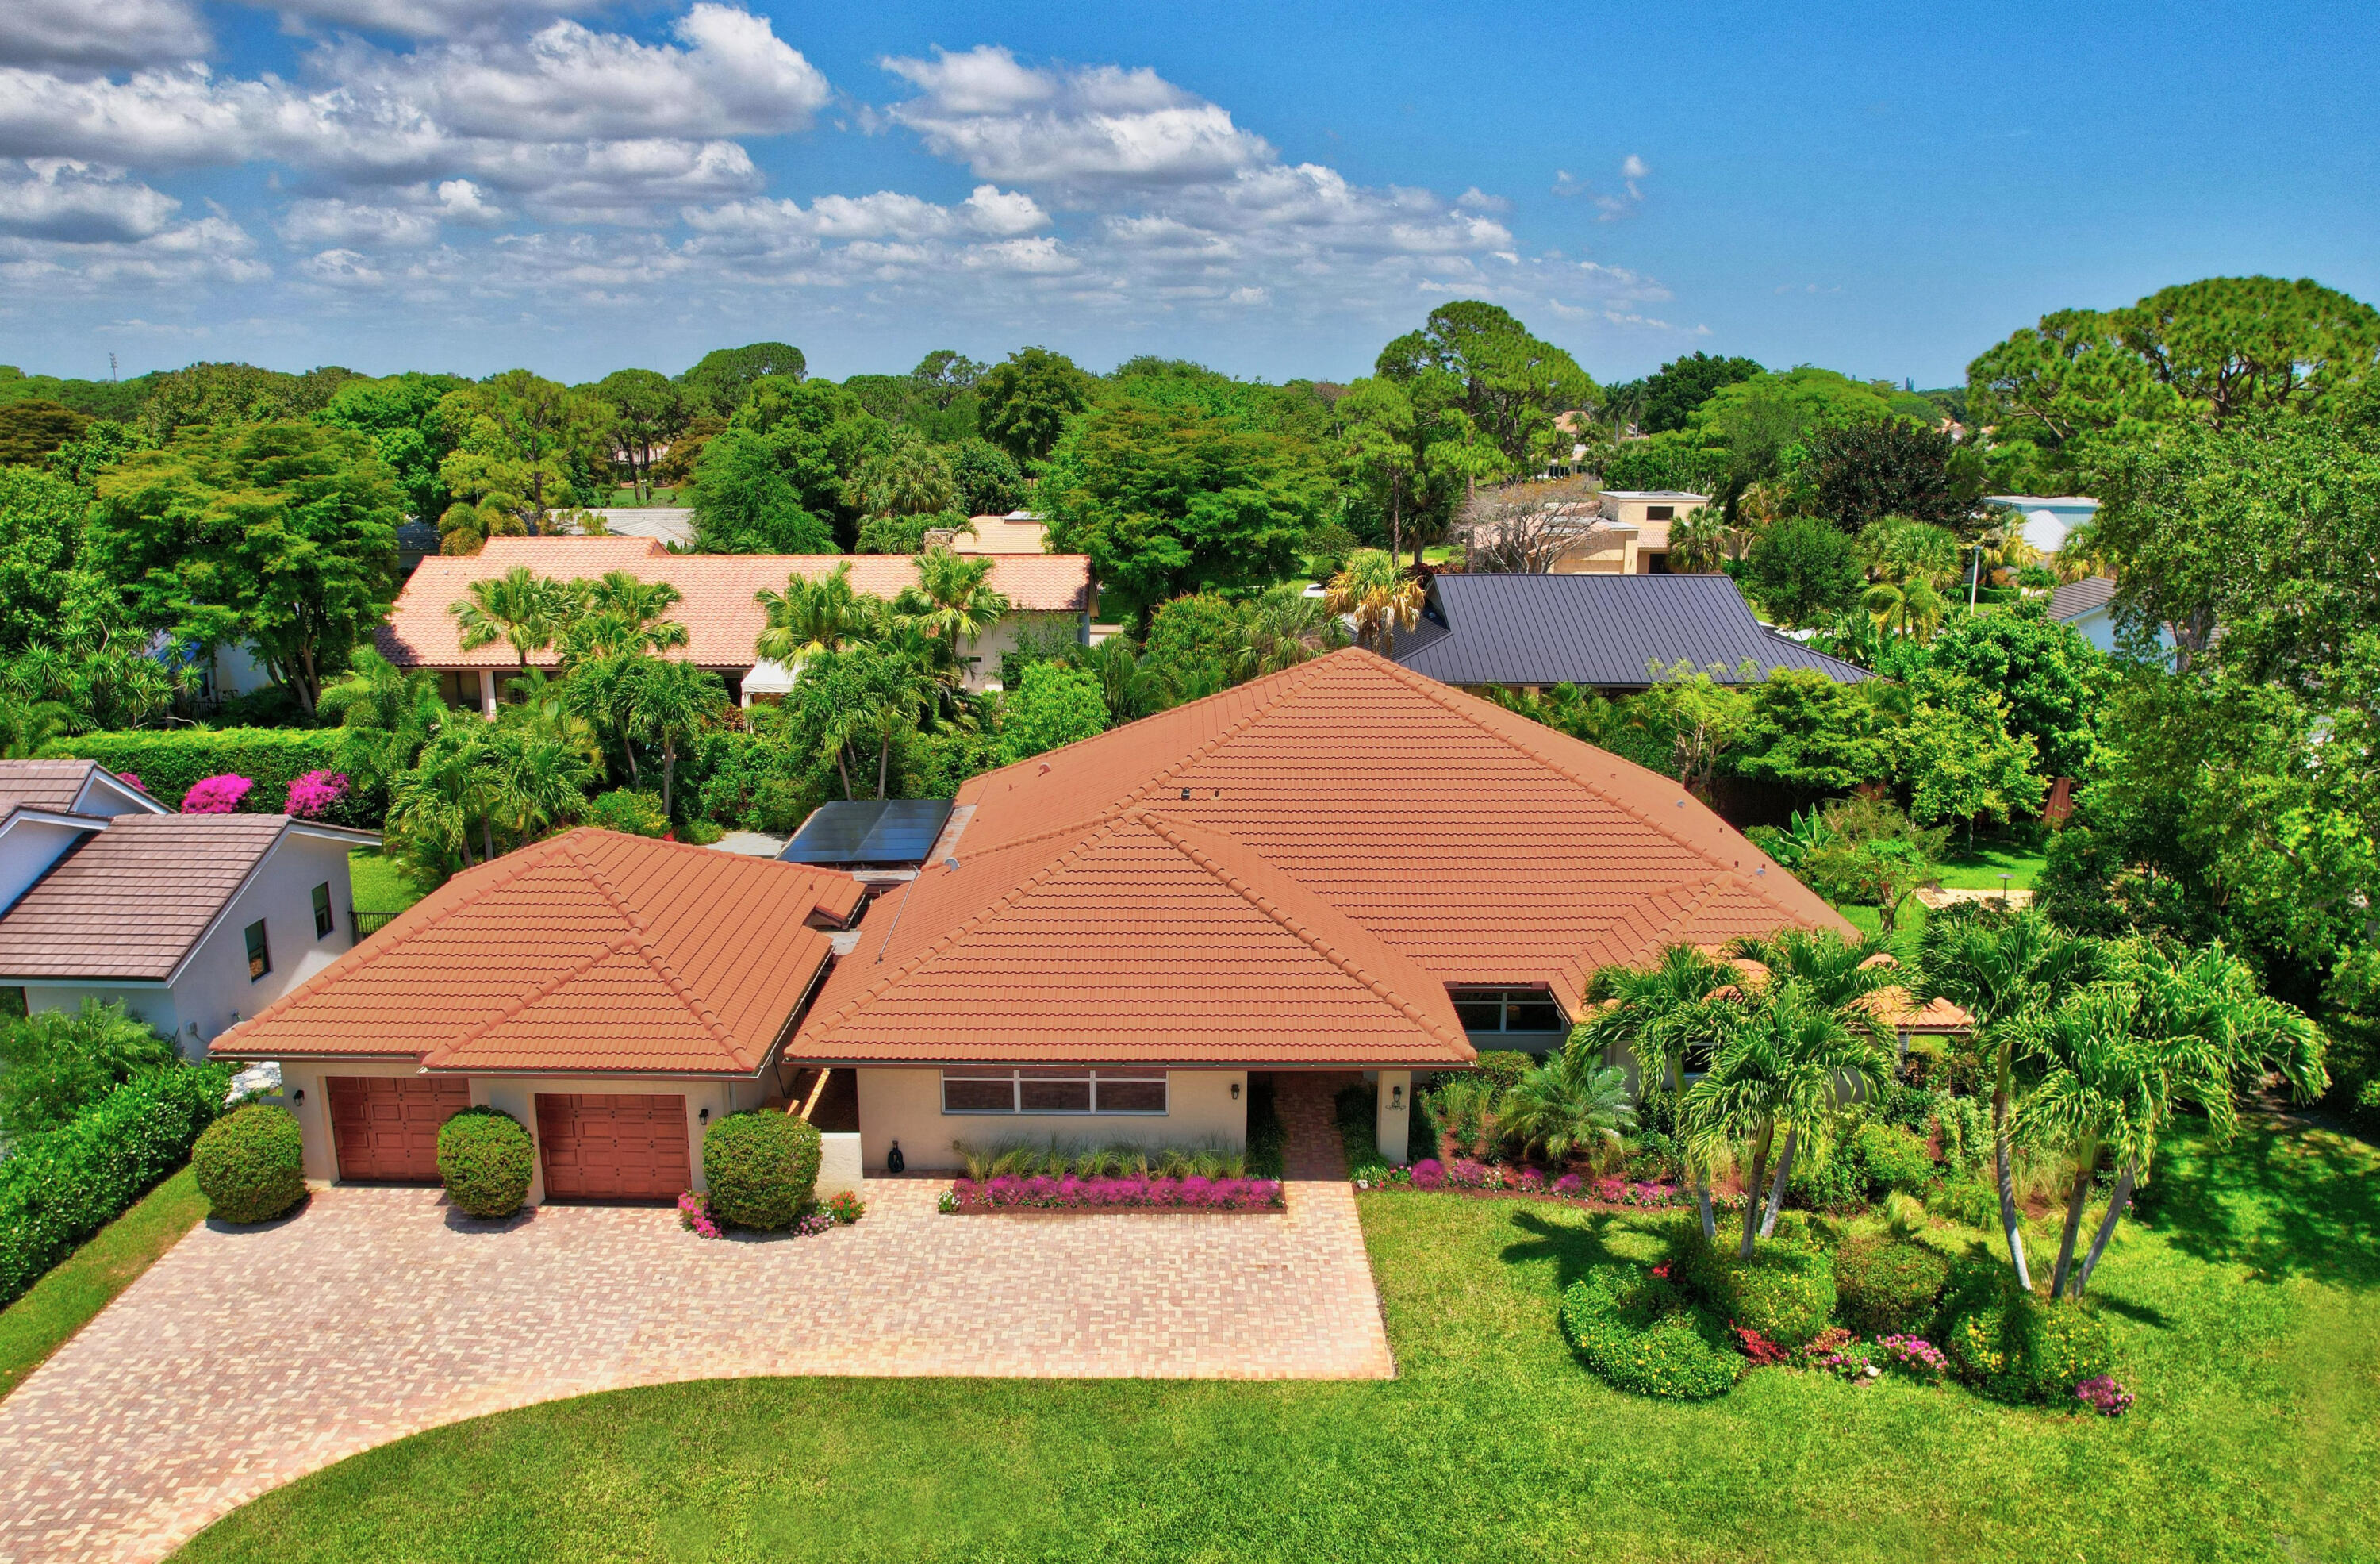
(385,1127)
(604,1147)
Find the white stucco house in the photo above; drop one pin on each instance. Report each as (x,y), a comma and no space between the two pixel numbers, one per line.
(191,921)
(2048,518)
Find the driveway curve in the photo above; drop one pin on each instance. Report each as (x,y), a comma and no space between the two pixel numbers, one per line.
(249,1357)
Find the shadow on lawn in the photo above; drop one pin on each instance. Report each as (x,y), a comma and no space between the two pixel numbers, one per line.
(2287,1201)
(1573,1250)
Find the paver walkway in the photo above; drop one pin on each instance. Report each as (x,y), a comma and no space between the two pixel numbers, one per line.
(1306,1100)
(245,1358)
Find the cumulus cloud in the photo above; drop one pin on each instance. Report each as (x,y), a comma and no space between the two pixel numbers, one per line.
(76,203)
(428,19)
(185,256)
(100,35)
(336,222)
(1610,206)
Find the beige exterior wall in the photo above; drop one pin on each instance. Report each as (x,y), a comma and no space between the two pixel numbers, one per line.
(984,655)
(905,1104)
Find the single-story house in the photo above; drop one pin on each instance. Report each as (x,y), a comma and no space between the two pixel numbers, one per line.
(1342,866)
(613,993)
(191,921)
(2088,607)
(2047,518)
(719,607)
(1017,532)
(1603,633)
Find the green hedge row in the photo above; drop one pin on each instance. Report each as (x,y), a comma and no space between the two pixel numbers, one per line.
(60,1188)
(169,761)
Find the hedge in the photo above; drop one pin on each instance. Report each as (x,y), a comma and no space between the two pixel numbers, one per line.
(1641,1334)
(168,761)
(1884,1286)
(1785,1292)
(61,1187)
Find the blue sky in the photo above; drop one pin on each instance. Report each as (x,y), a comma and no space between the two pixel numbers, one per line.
(473,184)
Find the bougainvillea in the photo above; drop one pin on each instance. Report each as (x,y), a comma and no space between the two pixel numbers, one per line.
(694,1215)
(2104,1395)
(216,795)
(314,795)
(1070,1194)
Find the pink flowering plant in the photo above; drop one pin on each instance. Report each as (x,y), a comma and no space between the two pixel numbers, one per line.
(216,795)
(131,779)
(315,794)
(694,1215)
(1044,1193)
(2104,1395)
(1915,1356)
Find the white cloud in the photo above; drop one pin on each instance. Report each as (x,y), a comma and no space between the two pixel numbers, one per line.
(100,35)
(185,256)
(1091,127)
(1608,207)
(77,203)
(426,18)
(340,223)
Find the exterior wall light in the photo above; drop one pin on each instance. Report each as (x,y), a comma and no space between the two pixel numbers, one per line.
(1235,1090)
(1396,1098)
(703,1117)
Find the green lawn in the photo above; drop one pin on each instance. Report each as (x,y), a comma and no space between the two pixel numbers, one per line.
(377,887)
(2242,1317)
(62,1303)
(1982,869)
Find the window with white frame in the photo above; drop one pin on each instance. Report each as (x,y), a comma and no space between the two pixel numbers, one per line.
(1062,1089)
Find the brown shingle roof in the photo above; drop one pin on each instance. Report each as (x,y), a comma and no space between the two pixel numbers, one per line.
(718,611)
(53,784)
(131,901)
(590,951)
(1427,837)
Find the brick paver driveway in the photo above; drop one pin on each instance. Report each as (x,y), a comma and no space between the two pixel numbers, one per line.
(244,1359)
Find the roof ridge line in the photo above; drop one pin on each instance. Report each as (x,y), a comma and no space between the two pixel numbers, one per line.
(1430,689)
(1311,938)
(642,941)
(516,1005)
(875,987)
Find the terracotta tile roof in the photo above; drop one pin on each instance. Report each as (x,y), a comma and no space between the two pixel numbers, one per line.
(588,952)
(131,900)
(1463,843)
(720,616)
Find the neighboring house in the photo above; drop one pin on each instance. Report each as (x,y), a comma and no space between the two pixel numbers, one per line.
(662,523)
(1019,531)
(1626,532)
(1601,631)
(2048,518)
(191,921)
(1342,866)
(613,993)
(720,608)
(2088,607)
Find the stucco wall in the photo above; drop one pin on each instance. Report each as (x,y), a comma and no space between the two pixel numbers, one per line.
(906,1105)
(1004,636)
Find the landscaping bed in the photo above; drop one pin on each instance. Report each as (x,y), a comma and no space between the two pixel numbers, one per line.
(1042,1192)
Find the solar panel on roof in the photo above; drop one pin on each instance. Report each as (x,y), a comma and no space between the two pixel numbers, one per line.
(870,831)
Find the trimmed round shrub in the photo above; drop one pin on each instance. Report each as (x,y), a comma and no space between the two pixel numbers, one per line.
(1784,1291)
(761,1167)
(1884,1287)
(1890,1159)
(485,1158)
(2011,1344)
(1640,1334)
(251,1164)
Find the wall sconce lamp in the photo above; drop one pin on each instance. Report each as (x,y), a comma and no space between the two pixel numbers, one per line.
(1396,1098)
(1235,1090)
(297,1099)
(703,1117)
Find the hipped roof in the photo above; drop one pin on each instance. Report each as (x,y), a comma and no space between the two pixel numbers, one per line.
(592,952)
(1290,872)
(720,609)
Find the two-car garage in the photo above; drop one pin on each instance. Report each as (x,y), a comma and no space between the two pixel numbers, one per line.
(590,1145)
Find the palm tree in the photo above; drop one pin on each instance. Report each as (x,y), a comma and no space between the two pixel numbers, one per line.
(1999,966)
(1132,686)
(25,727)
(1374,590)
(537,779)
(810,616)
(519,607)
(385,714)
(1698,540)
(1786,1063)
(434,805)
(953,600)
(668,705)
(1569,1103)
(621,616)
(1661,1014)
(597,692)
(1846,976)
(1285,627)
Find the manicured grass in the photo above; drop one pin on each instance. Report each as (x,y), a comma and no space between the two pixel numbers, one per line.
(377,887)
(2236,1311)
(1982,869)
(63,1301)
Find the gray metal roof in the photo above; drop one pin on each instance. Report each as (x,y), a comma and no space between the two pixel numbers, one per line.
(2077,598)
(1603,631)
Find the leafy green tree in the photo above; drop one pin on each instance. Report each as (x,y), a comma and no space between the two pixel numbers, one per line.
(1804,730)
(221,393)
(101,682)
(1053,704)
(55,1063)
(1662,402)
(278,536)
(722,379)
(1869,853)
(989,482)
(1512,386)
(1803,571)
(1860,473)
(744,504)
(953,601)
(818,433)
(1689,722)
(650,410)
(904,477)
(1959,759)
(106,399)
(2054,684)
(1028,399)
(47,590)
(524,448)
(31,430)
(400,415)
(857,705)
(385,715)
(1169,498)
(1766,424)
(102,445)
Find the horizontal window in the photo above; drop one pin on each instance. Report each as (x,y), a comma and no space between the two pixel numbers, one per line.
(1032,1089)
(1507,1009)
